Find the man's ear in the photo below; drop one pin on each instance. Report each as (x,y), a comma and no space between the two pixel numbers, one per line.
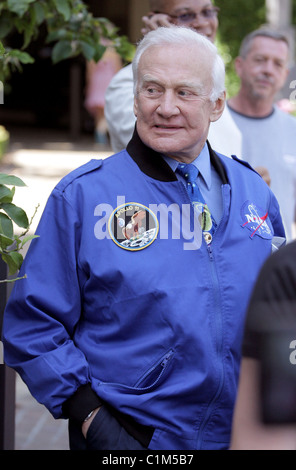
(238,63)
(135,106)
(218,108)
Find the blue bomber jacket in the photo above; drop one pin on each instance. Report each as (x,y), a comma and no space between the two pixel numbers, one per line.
(125,304)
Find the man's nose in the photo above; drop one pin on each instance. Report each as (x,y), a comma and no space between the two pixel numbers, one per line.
(199,22)
(269,67)
(168,105)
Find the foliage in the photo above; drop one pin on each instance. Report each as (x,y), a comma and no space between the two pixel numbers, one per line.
(73,31)
(69,25)
(10,243)
(236,20)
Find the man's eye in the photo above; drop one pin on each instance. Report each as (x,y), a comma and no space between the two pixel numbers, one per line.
(208,12)
(186,17)
(152,91)
(185,94)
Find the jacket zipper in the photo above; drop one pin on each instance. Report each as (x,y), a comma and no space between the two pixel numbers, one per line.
(161,363)
(218,318)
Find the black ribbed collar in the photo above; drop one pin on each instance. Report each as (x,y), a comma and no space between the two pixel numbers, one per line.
(153,165)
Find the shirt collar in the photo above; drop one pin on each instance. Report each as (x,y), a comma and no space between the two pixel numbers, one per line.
(152,164)
(202,163)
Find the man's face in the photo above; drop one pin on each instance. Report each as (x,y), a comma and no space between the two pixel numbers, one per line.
(263,71)
(172,101)
(182,13)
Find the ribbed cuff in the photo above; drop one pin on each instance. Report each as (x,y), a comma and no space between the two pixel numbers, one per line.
(79,405)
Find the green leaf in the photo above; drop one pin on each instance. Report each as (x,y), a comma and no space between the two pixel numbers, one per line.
(6,225)
(2,49)
(13,260)
(28,238)
(99,52)
(57,35)
(6,25)
(17,214)
(5,242)
(61,50)
(30,29)
(87,50)
(19,6)
(11,180)
(6,194)
(39,12)
(63,8)
(23,57)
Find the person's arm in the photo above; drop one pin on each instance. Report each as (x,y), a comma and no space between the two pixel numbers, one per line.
(43,312)
(248,430)
(155,20)
(119,108)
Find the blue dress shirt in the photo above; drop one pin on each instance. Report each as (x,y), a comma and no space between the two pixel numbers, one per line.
(208,180)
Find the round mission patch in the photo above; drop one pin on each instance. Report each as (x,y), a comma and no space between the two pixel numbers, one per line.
(133,226)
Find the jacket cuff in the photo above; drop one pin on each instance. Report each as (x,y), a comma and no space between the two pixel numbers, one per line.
(79,405)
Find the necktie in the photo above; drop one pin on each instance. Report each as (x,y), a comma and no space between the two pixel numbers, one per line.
(208,224)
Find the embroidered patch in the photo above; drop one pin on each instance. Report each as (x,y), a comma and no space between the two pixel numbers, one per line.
(133,226)
(256,220)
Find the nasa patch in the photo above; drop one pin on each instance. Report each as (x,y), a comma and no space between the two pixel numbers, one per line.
(256,220)
(133,226)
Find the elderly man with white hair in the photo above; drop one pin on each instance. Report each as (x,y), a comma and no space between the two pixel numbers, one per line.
(130,319)
(199,15)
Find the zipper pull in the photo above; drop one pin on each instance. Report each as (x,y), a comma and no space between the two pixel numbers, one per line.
(210,251)
(166,359)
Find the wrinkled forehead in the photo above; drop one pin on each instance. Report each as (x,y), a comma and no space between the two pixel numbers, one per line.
(176,55)
(175,64)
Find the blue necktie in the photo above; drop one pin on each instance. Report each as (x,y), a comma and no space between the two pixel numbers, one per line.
(208,224)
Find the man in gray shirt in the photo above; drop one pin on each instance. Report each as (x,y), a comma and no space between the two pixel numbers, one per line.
(253,128)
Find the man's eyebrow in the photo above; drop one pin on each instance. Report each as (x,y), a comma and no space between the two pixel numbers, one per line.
(187,84)
(260,55)
(183,9)
(188,9)
(193,85)
(150,78)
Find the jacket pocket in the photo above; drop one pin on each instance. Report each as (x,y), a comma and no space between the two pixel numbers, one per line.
(106,432)
(153,376)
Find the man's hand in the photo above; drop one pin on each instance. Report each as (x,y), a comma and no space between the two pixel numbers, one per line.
(264,173)
(87,423)
(155,20)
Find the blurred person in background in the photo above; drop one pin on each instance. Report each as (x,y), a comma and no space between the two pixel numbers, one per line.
(98,76)
(253,127)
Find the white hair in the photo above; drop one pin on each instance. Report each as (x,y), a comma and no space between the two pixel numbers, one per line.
(181,36)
